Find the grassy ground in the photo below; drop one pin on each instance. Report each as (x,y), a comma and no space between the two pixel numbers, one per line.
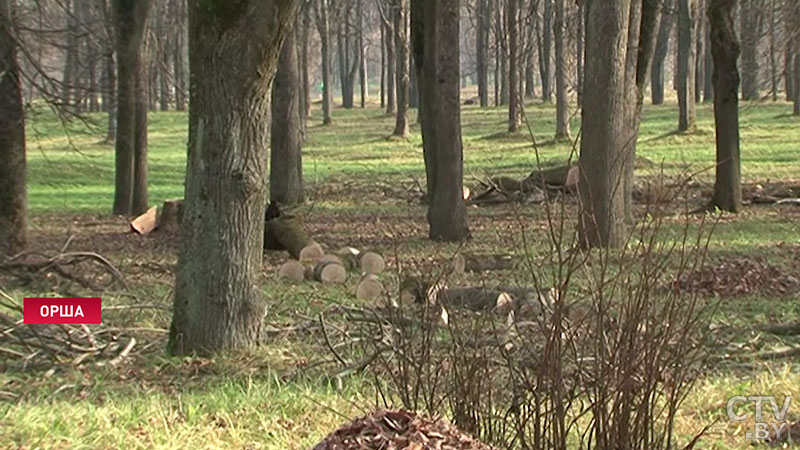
(361,188)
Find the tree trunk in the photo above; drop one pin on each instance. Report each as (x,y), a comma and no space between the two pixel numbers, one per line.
(562,96)
(687,21)
(362,56)
(708,66)
(399,13)
(545,44)
(514,97)
(109,80)
(233,56)
(178,55)
(725,50)
(130,18)
(13,197)
(391,68)
(286,169)
(139,204)
(796,109)
(324,37)
(306,83)
(531,19)
(700,49)
(602,222)
(580,20)
(662,48)
(435,36)
(773,51)
(751,17)
(788,70)
(502,50)
(481,50)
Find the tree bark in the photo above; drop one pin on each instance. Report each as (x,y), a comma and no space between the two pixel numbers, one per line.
(662,48)
(725,50)
(233,57)
(602,159)
(562,96)
(139,203)
(580,21)
(363,77)
(306,82)
(391,67)
(286,169)
(687,53)
(708,67)
(514,96)
(130,18)
(435,37)
(399,13)
(179,55)
(13,197)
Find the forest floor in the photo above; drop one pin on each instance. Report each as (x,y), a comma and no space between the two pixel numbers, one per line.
(363,191)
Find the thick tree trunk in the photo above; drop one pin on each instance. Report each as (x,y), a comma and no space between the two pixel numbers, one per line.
(435,35)
(286,170)
(179,55)
(109,80)
(725,49)
(708,67)
(139,204)
(562,96)
(399,13)
(130,18)
(13,197)
(580,21)
(662,48)
(233,56)
(514,96)
(751,16)
(687,52)
(602,222)
(323,27)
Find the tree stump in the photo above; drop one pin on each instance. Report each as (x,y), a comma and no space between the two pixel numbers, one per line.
(171,215)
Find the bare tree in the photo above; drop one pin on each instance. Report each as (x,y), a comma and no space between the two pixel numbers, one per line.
(514,95)
(668,14)
(481,51)
(435,37)
(725,49)
(687,53)
(545,39)
(286,168)
(233,58)
(562,96)
(323,27)
(131,143)
(13,197)
(400,26)
(751,15)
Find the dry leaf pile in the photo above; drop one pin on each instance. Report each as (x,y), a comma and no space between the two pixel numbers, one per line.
(740,276)
(398,430)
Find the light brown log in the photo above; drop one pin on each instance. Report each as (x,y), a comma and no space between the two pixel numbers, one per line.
(330,272)
(331,258)
(311,252)
(370,288)
(372,263)
(563,177)
(171,215)
(292,270)
(146,222)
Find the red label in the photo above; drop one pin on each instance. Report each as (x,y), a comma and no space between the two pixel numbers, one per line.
(62,310)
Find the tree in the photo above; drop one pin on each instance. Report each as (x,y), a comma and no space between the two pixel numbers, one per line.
(481,50)
(545,44)
(435,38)
(514,95)
(233,56)
(391,58)
(562,96)
(662,48)
(130,189)
(13,197)
(323,27)
(620,39)
(687,53)
(400,25)
(286,168)
(725,51)
(751,15)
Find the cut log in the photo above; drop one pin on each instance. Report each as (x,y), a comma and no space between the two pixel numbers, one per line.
(349,257)
(331,258)
(292,270)
(372,263)
(563,178)
(370,288)
(289,233)
(146,222)
(330,272)
(171,215)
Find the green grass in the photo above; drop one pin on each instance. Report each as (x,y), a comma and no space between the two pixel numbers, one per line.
(243,401)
